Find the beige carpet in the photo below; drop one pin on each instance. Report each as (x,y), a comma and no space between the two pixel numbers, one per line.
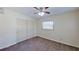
(40,44)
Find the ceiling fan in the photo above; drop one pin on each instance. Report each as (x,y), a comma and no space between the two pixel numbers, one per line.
(41,10)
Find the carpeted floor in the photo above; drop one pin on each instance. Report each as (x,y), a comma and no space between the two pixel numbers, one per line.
(40,44)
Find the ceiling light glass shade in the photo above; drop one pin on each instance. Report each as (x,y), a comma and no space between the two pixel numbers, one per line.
(41,13)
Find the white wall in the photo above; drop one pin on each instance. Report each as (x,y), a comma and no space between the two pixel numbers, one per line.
(7,29)
(66,27)
(10,24)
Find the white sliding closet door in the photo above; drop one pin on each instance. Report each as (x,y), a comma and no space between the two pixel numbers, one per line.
(22,29)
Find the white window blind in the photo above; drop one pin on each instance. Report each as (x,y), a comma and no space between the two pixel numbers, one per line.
(47,25)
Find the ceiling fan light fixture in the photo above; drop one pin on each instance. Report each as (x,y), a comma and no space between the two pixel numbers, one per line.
(41,13)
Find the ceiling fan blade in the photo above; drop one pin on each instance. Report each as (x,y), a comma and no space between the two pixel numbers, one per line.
(41,8)
(36,8)
(35,13)
(47,12)
(46,7)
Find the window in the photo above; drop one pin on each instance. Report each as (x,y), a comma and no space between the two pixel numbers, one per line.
(47,25)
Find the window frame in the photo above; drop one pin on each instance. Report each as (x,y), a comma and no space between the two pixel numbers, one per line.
(48,28)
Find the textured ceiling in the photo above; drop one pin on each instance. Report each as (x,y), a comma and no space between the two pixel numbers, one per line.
(29,11)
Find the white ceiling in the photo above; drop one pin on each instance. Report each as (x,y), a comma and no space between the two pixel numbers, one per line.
(29,11)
